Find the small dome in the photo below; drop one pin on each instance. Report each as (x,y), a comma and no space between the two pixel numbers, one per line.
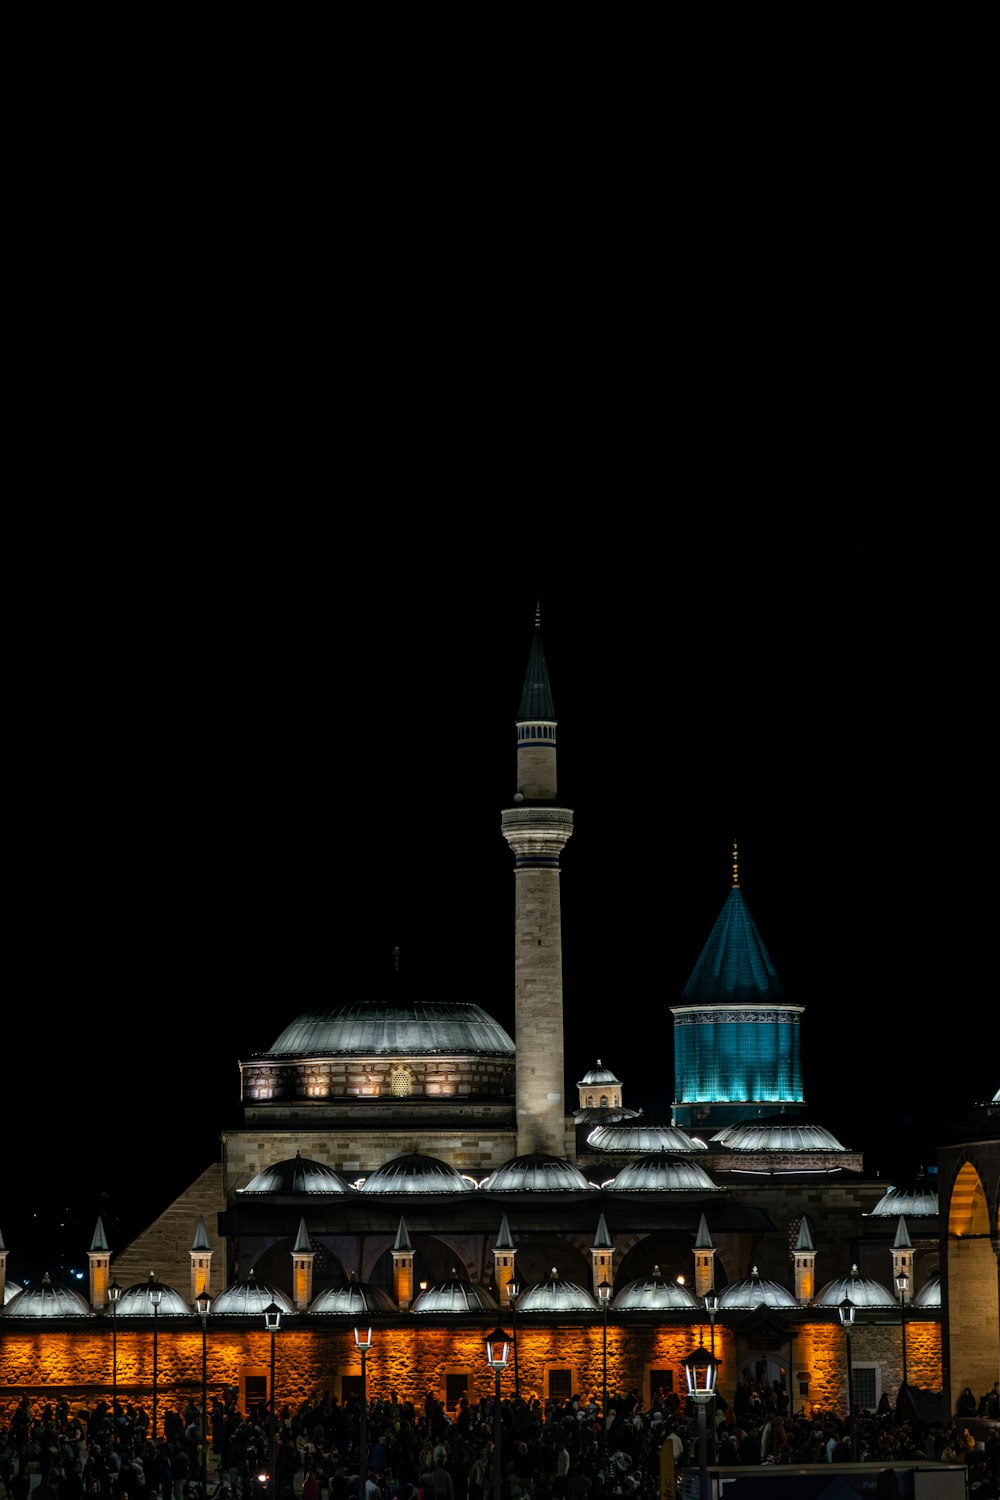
(358,1299)
(753,1292)
(47,1301)
(10,1291)
(929,1294)
(862,1291)
(554,1295)
(660,1173)
(454,1296)
(250,1298)
(536,1174)
(137,1301)
(403,1030)
(653,1293)
(776,1135)
(597,1076)
(417,1174)
(603,1114)
(920,1202)
(635,1138)
(297,1174)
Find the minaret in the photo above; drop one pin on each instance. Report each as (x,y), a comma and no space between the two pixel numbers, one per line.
(201,1262)
(303,1259)
(3,1271)
(504,1273)
(805,1264)
(99,1256)
(402,1266)
(602,1258)
(537,834)
(902,1258)
(704,1260)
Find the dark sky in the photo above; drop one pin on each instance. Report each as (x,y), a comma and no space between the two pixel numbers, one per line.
(247,764)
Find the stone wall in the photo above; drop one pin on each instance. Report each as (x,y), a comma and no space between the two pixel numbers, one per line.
(412,1360)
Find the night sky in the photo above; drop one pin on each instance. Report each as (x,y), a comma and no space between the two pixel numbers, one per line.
(247,766)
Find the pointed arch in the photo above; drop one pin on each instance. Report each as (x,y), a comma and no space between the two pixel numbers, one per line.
(967,1211)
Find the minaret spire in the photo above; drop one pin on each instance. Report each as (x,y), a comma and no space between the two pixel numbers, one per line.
(736,867)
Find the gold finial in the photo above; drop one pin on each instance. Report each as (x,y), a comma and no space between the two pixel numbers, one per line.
(538,614)
(736,866)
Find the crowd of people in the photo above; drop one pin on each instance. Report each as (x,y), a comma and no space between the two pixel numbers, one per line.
(553,1450)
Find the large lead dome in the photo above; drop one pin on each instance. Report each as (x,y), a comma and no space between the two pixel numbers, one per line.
(409,1029)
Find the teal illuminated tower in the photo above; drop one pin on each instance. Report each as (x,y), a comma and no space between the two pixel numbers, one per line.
(736,1038)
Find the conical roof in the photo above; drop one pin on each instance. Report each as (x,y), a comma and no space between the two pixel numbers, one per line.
(536,695)
(734,967)
(753,1292)
(861,1290)
(415,1173)
(296,1174)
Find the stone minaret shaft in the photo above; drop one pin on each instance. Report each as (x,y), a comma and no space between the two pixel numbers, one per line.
(537,835)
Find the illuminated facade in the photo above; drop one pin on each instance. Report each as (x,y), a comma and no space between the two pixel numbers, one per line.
(401,1152)
(736,1039)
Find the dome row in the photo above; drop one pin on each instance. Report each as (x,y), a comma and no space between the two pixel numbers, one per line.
(653,1293)
(416,1173)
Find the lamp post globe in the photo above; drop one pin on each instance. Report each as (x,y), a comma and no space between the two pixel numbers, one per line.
(203,1302)
(701,1369)
(604,1298)
(272,1322)
(497,1352)
(902,1284)
(363,1341)
(847,1311)
(155,1293)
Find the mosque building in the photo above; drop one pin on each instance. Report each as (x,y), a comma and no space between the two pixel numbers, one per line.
(406,1165)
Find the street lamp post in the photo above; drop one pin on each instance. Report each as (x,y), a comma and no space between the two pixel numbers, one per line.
(114,1292)
(701,1369)
(712,1307)
(847,1311)
(363,1339)
(604,1297)
(902,1282)
(272,1322)
(155,1297)
(514,1291)
(203,1302)
(497,1350)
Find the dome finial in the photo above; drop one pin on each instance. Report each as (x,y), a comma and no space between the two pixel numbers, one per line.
(736,867)
(395,959)
(538,614)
